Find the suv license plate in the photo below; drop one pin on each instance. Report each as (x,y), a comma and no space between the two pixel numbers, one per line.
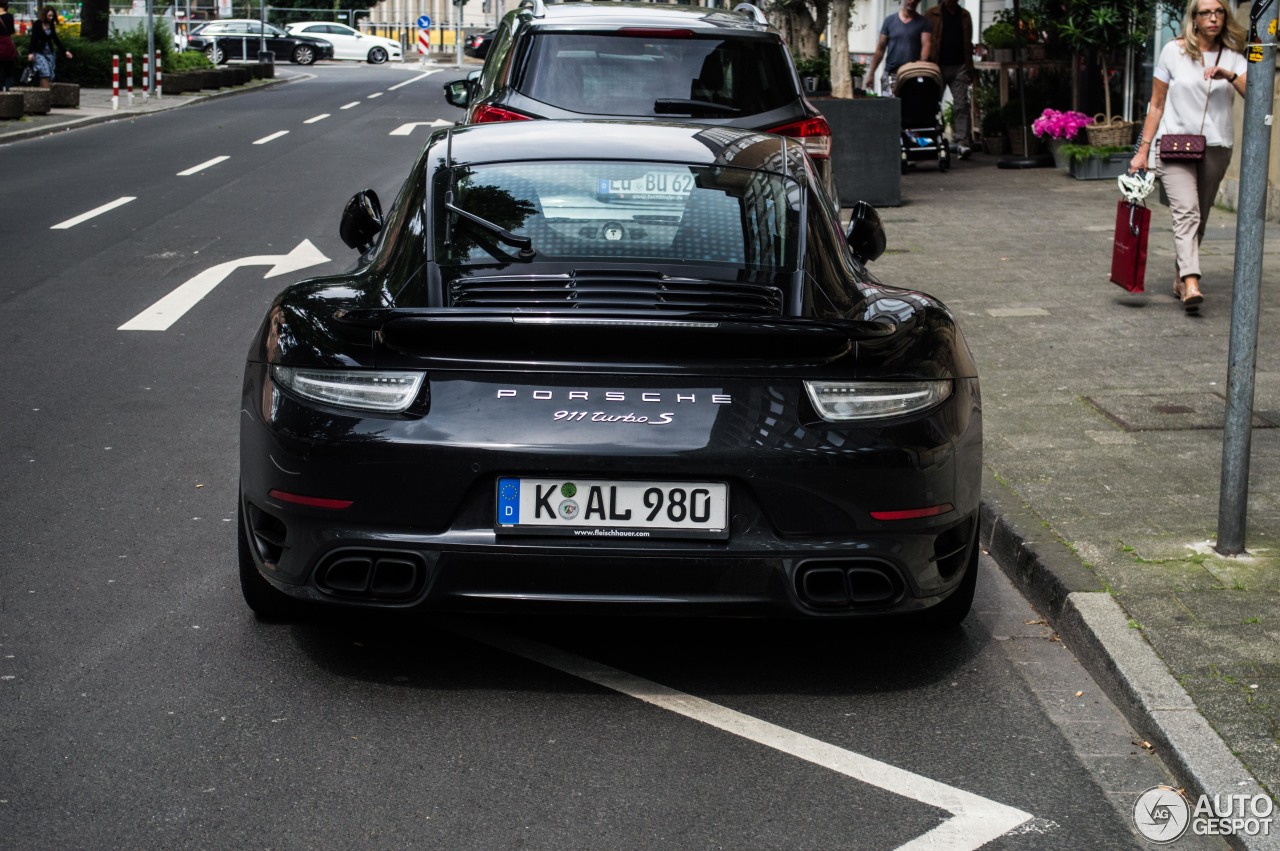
(592,508)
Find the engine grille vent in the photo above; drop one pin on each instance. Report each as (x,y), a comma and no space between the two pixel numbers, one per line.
(611,291)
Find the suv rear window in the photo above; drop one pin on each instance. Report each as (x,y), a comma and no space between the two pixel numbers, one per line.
(643,74)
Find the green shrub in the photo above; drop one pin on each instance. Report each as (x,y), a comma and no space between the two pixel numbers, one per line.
(187,60)
(90,66)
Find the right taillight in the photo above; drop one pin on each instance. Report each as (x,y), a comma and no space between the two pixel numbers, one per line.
(813,133)
(488,114)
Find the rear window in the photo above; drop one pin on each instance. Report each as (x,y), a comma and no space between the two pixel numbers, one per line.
(623,211)
(653,76)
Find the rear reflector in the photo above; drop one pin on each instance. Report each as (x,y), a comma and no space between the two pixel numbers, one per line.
(490,114)
(309,501)
(813,133)
(914,513)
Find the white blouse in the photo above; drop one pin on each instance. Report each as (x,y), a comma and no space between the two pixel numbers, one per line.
(1184,107)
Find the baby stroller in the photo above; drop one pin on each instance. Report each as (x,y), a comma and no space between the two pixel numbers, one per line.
(919,87)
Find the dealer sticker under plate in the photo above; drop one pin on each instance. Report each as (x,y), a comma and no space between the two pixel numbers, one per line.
(592,508)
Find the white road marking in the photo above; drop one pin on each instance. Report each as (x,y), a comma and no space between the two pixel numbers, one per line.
(97,211)
(352,104)
(374,95)
(195,169)
(168,310)
(406,129)
(421,76)
(276,135)
(975,820)
(321,117)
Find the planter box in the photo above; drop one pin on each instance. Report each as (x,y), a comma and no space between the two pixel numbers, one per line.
(1098,168)
(993,145)
(66,95)
(866,149)
(176,82)
(35,101)
(11,105)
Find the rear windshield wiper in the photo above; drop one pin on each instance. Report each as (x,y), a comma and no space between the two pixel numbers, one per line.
(524,243)
(688,106)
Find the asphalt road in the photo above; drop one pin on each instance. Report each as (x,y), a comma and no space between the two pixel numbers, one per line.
(142,706)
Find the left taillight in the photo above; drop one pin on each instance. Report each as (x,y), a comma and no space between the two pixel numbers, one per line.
(814,133)
(365,390)
(488,114)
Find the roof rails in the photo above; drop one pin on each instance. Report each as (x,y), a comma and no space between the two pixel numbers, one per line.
(538,6)
(539,10)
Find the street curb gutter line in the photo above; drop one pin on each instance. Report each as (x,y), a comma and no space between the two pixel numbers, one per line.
(1096,629)
(7,136)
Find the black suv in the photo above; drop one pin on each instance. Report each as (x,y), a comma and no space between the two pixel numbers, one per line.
(644,62)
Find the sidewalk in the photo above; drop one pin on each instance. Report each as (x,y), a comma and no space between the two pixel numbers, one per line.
(1103,450)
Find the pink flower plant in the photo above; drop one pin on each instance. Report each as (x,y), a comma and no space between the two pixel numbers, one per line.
(1060,125)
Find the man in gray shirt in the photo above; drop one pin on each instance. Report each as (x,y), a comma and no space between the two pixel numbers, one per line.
(905,36)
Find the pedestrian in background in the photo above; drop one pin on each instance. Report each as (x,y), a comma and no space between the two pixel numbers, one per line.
(905,36)
(1196,81)
(45,46)
(951,39)
(8,52)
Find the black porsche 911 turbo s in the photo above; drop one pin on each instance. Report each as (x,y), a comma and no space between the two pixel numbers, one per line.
(608,366)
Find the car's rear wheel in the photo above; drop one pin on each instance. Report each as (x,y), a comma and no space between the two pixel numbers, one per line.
(304,55)
(267,603)
(215,54)
(377,56)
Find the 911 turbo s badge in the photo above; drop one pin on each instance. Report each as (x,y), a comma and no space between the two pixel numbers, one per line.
(647,396)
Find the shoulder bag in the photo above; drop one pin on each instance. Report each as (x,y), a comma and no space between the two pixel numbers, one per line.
(1188,147)
(28,76)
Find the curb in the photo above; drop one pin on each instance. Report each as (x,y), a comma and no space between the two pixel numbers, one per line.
(21,134)
(1095,627)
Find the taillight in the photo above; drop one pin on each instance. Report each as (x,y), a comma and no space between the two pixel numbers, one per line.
(485,114)
(813,133)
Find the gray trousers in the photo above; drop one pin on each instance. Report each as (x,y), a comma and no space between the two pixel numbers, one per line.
(958,80)
(1191,188)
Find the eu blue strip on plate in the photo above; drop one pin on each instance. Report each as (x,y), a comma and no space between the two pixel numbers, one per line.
(508,501)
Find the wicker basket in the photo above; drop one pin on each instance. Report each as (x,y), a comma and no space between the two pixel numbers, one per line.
(1114,133)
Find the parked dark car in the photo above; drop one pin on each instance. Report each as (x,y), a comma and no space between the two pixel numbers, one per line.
(242,39)
(610,366)
(477,45)
(644,62)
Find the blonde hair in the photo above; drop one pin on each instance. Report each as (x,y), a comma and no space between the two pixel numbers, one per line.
(1232,36)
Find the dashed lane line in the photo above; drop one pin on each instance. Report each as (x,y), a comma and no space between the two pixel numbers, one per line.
(975,820)
(196,169)
(321,117)
(97,211)
(276,135)
(351,105)
(374,95)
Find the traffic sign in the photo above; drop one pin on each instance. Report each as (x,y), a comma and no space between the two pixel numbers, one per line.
(423,22)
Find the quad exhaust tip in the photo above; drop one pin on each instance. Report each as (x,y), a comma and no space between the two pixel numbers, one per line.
(847,584)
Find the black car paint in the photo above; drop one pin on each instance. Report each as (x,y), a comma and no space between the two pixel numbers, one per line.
(422,483)
(282,47)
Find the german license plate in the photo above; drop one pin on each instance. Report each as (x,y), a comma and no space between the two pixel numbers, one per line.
(653,186)
(592,508)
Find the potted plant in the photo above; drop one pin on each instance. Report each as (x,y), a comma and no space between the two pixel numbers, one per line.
(815,72)
(1058,129)
(999,39)
(1112,29)
(1097,162)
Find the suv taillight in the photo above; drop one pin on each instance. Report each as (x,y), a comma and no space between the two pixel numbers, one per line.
(813,133)
(488,114)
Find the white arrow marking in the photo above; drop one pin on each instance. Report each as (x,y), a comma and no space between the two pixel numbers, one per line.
(406,129)
(195,169)
(975,820)
(97,211)
(423,75)
(168,310)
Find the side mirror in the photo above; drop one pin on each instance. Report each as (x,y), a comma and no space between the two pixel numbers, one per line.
(361,220)
(458,93)
(865,236)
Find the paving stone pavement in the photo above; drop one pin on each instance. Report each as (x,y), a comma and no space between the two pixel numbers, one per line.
(1103,417)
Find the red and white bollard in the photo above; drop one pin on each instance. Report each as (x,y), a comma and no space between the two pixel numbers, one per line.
(159,74)
(146,78)
(424,45)
(115,82)
(128,76)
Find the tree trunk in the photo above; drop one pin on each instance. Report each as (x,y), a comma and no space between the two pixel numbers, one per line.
(95,16)
(800,28)
(841,79)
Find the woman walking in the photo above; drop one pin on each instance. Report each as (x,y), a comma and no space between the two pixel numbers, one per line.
(44,43)
(1196,80)
(8,53)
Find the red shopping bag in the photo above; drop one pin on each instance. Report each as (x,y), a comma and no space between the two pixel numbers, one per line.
(1129,254)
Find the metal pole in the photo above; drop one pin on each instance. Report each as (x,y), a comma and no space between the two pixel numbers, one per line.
(1247,283)
(151,49)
